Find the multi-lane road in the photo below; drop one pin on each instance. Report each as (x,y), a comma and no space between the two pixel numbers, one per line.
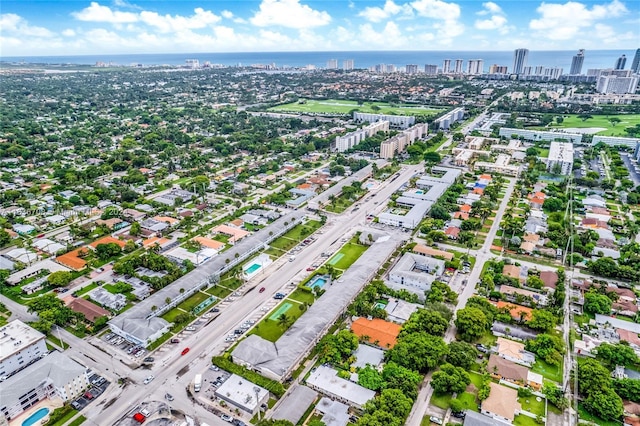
(173,372)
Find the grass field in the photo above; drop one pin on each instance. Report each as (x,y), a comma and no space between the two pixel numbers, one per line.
(350,253)
(548,371)
(302,296)
(295,235)
(172,314)
(597,420)
(272,330)
(627,120)
(336,106)
(441,400)
(522,420)
(218,291)
(532,405)
(193,301)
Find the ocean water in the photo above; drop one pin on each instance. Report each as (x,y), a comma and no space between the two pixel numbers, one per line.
(362,59)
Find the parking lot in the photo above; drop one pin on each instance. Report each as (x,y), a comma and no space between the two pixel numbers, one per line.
(98,386)
(120,343)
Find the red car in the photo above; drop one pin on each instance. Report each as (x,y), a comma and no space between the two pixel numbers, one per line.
(185,351)
(311,268)
(262,289)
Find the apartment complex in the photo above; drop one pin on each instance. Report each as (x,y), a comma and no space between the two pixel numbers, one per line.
(20,345)
(351,139)
(395,121)
(540,135)
(560,157)
(400,142)
(445,122)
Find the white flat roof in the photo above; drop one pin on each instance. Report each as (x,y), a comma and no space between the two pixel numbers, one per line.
(15,337)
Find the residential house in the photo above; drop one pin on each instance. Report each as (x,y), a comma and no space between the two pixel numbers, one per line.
(514,351)
(377,331)
(90,310)
(550,279)
(517,312)
(502,369)
(502,403)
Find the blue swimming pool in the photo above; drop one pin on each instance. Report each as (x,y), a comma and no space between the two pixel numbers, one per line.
(251,269)
(419,192)
(318,282)
(35,417)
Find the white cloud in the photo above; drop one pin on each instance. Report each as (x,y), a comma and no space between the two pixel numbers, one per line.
(16,25)
(437,9)
(68,33)
(378,14)
(97,13)
(167,23)
(227,14)
(490,8)
(290,14)
(495,22)
(565,21)
(390,36)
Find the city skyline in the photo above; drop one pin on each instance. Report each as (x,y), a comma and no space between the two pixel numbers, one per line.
(121,27)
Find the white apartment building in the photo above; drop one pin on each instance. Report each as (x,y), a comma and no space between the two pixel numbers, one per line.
(20,345)
(617,85)
(351,139)
(415,272)
(560,154)
(399,143)
(54,376)
(449,118)
(395,121)
(540,135)
(615,141)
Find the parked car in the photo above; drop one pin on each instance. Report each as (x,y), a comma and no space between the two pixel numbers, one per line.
(436,420)
(174,340)
(226,418)
(169,397)
(185,351)
(214,368)
(148,359)
(190,328)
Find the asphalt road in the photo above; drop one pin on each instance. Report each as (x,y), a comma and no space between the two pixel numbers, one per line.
(210,340)
(482,255)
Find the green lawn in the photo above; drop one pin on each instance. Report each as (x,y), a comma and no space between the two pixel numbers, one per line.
(172,314)
(302,296)
(335,106)
(476,379)
(270,329)
(469,401)
(193,301)
(347,256)
(532,405)
(548,371)
(86,289)
(522,420)
(441,400)
(78,421)
(627,120)
(284,243)
(218,291)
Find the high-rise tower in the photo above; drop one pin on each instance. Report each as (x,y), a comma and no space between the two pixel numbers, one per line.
(635,65)
(520,57)
(576,63)
(621,62)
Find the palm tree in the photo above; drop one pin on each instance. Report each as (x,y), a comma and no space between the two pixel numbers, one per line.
(284,321)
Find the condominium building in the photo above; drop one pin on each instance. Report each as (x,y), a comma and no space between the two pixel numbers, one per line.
(498,69)
(431,69)
(635,65)
(351,139)
(618,85)
(395,121)
(54,376)
(615,141)
(446,66)
(576,63)
(458,66)
(540,135)
(520,58)
(449,118)
(475,66)
(560,158)
(398,143)
(411,69)
(20,345)
(348,64)
(621,62)
(332,64)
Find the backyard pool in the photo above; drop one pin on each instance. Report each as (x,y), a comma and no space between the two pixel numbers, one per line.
(419,192)
(36,417)
(319,282)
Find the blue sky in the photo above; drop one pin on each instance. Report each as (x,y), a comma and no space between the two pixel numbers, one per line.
(70,27)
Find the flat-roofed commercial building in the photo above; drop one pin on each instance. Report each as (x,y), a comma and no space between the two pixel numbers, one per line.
(20,345)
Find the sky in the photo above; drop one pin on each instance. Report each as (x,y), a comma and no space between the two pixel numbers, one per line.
(79,27)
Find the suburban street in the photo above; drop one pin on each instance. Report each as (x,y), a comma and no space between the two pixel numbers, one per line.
(482,255)
(173,372)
